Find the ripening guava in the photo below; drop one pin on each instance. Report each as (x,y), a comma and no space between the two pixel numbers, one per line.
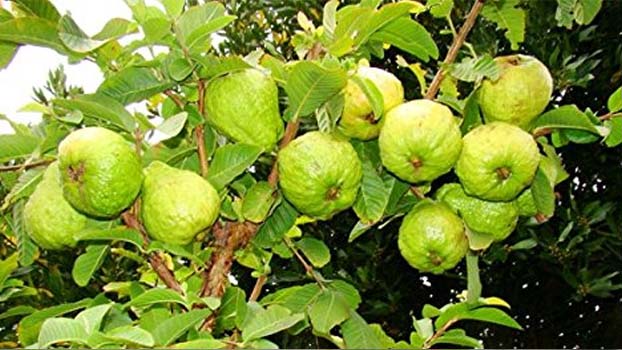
(177,204)
(244,106)
(419,141)
(520,94)
(319,174)
(358,119)
(497,162)
(101,173)
(526,204)
(432,237)
(49,220)
(495,219)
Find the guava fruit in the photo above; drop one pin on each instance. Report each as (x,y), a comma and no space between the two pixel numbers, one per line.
(319,174)
(419,141)
(432,238)
(495,219)
(358,119)
(49,220)
(177,204)
(521,93)
(497,162)
(100,172)
(526,204)
(244,106)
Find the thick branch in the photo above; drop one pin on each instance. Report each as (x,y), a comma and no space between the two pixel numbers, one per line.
(25,166)
(199,133)
(455,47)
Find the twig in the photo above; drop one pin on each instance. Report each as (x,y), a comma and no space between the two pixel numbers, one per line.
(25,166)
(259,283)
(438,333)
(175,98)
(308,268)
(454,48)
(199,131)
(290,133)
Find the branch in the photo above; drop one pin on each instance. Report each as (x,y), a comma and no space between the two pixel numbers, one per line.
(290,133)
(455,47)
(438,333)
(261,281)
(25,166)
(199,133)
(304,262)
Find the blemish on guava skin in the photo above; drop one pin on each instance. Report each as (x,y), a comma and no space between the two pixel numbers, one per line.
(435,259)
(76,172)
(332,193)
(416,163)
(371,118)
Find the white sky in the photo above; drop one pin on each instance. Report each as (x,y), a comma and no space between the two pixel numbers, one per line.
(31,65)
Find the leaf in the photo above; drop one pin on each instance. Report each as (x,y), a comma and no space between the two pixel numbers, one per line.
(120,233)
(543,194)
(269,321)
(423,327)
(492,315)
(563,14)
(7,52)
(32,31)
(131,335)
(91,318)
(276,226)
(315,250)
(230,161)
(38,8)
(16,146)
(384,16)
(6,267)
(173,7)
(172,126)
(179,69)
(76,40)
(586,10)
(26,184)
(508,16)
(57,330)
(188,26)
(409,36)
(156,296)
(328,311)
(26,248)
(349,294)
(328,18)
(564,117)
(28,328)
(296,298)
(460,340)
(175,250)
(233,309)
(474,69)
(309,85)
(173,328)
(214,67)
(357,230)
(524,244)
(615,132)
(357,334)
(373,196)
(440,8)
(133,84)
(86,264)
(19,310)
(258,201)
(200,344)
(99,107)
(373,94)
(430,311)
(614,102)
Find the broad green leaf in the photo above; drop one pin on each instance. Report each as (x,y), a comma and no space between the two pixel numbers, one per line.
(614,102)
(509,17)
(385,15)
(328,311)
(202,34)
(296,298)
(543,194)
(524,244)
(615,132)
(57,330)
(564,117)
(19,310)
(151,319)
(157,296)
(76,40)
(116,28)
(440,8)
(190,26)
(214,67)
(492,315)
(26,184)
(200,344)
(28,328)
(474,69)
(131,335)
(430,311)
(357,230)
(233,309)
(38,8)
(373,196)
(329,18)
(351,20)
(86,264)
(374,96)
(173,328)
(349,294)
(423,327)
(179,68)
(91,318)
(478,240)
(471,116)
(26,248)
(173,7)
(460,340)
(261,323)
(7,52)
(172,126)
(409,36)
(113,234)
(100,107)
(586,10)
(32,31)
(563,13)
(315,250)
(230,161)
(133,84)
(309,85)
(357,334)
(258,201)
(6,267)
(16,146)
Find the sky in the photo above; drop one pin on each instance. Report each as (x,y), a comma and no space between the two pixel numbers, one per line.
(31,65)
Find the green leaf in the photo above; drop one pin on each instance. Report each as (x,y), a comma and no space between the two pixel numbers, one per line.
(120,233)
(373,196)
(19,310)
(157,296)
(614,103)
(175,250)
(133,84)
(384,16)
(26,248)
(173,7)
(86,264)
(7,52)
(233,309)
(172,126)
(423,327)
(6,267)
(373,94)
(101,108)
(91,318)
(460,340)
(258,201)
(38,8)
(492,315)
(173,328)
(16,146)
(474,69)
(508,16)
(76,40)
(29,326)
(357,334)
(309,85)
(430,311)
(261,323)
(586,10)
(543,193)
(328,311)
(440,8)
(564,117)
(615,132)
(26,184)
(214,67)
(57,330)
(131,335)
(179,68)
(563,14)
(315,250)
(329,18)
(351,20)
(296,298)
(349,294)
(409,36)
(524,244)
(357,230)
(276,226)
(230,161)
(32,31)
(200,344)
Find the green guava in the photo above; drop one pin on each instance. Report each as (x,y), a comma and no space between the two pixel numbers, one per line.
(432,237)
(319,174)
(497,162)
(526,204)
(358,119)
(101,173)
(419,141)
(177,204)
(521,93)
(244,106)
(495,219)
(49,220)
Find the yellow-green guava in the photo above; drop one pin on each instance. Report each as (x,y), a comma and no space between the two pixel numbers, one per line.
(49,220)
(432,237)
(244,106)
(497,162)
(526,204)
(419,141)
(495,219)
(521,93)
(320,174)
(177,204)
(101,173)
(358,119)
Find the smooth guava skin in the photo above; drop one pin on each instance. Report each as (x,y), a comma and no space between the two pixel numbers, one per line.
(320,174)
(521,93)
(177,204)
(101,173)
(357,120)
(495,219)
(526,204)
(490,149)
(244,106)
(432,237)
(49,220)
(419,141)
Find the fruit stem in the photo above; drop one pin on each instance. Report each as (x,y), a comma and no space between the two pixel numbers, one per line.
(26,165)
(503,173)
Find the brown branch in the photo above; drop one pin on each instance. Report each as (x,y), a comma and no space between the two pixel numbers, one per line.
(454,48)
(175,98)
(25,166)
(259,283)
(290,133)
(199,131)
(438,333)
